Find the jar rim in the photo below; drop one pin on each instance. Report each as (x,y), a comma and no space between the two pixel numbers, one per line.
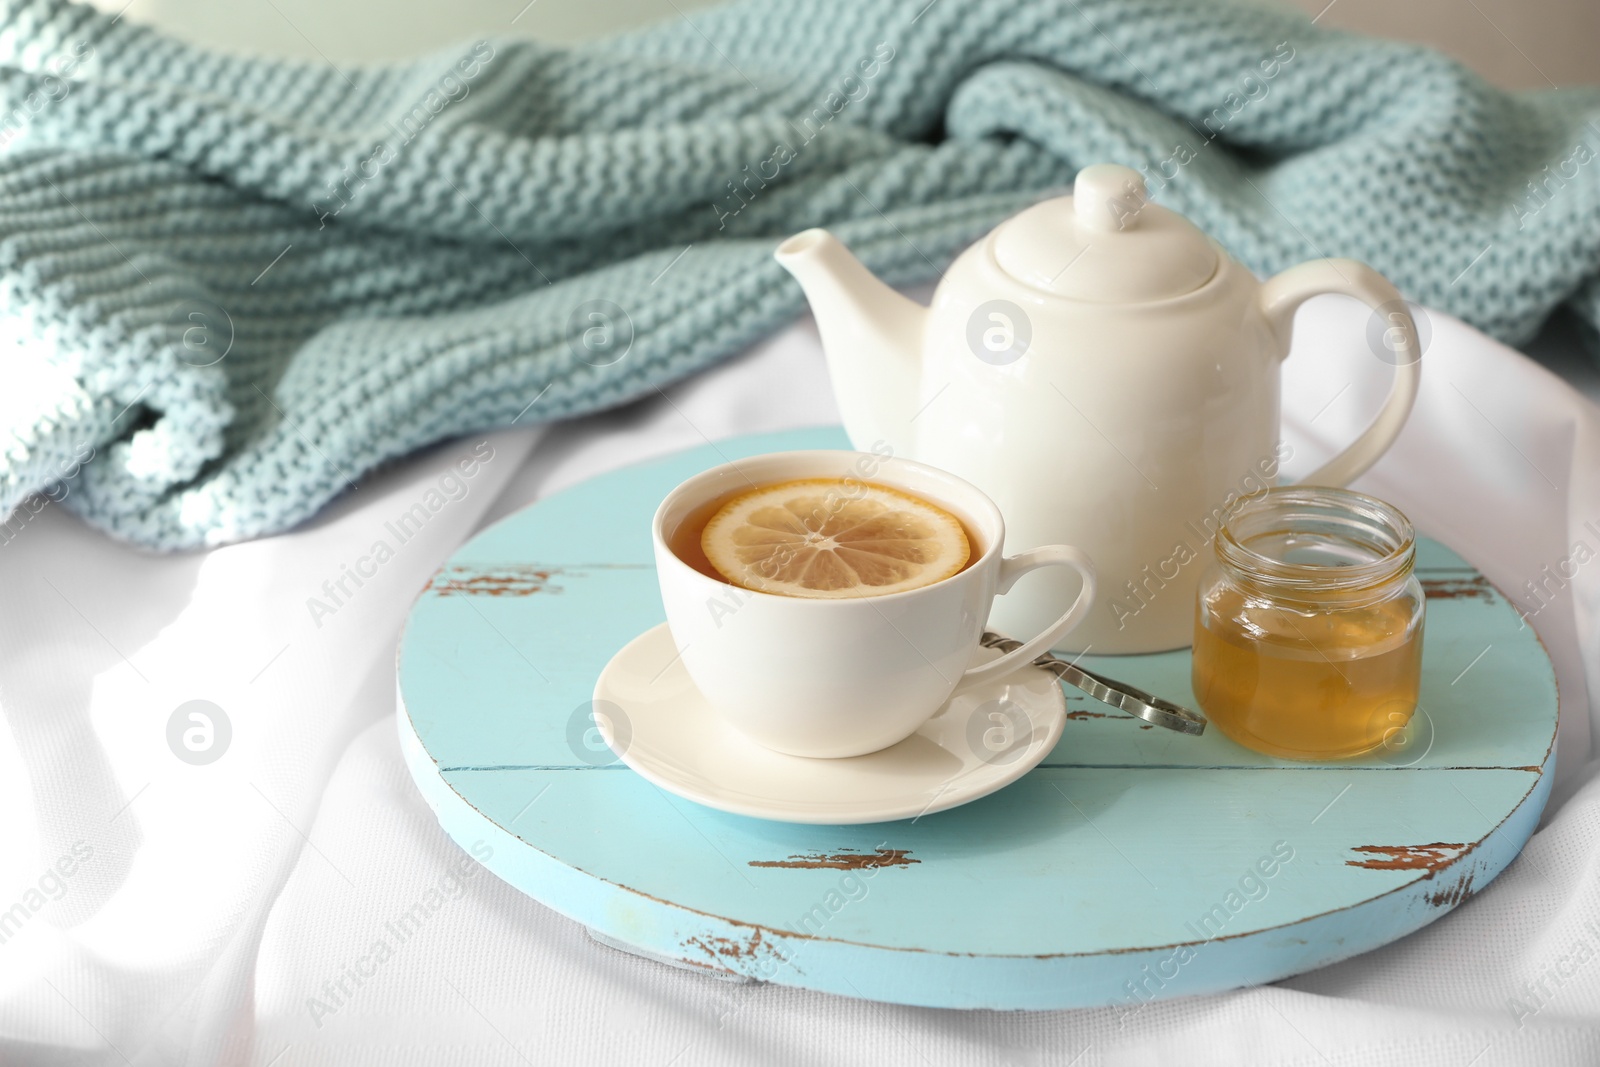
(1377,526)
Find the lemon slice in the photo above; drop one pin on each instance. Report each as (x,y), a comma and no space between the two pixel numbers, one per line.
(829,538)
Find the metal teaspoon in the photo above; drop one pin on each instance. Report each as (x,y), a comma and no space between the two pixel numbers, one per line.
(1120,695)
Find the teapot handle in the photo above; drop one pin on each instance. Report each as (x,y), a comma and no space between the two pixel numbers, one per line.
(1283,293)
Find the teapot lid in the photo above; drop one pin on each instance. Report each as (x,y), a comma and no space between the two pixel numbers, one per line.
(1106,243)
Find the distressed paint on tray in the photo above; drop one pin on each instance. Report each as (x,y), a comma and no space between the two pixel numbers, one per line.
(1128,866)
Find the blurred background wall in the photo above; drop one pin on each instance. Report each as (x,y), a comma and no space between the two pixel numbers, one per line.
(1523,44)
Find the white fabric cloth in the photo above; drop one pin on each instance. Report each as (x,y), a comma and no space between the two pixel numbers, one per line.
(208,910)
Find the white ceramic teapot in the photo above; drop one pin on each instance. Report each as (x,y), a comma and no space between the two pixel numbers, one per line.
(1107,374)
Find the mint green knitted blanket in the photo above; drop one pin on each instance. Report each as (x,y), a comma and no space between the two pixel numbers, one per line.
(233,287)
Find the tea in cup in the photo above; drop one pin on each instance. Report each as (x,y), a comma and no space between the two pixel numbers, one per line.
(828,603)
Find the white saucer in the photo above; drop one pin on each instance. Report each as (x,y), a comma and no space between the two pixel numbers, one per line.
(657,722)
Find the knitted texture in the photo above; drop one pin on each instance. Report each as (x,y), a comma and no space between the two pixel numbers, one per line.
(233,286)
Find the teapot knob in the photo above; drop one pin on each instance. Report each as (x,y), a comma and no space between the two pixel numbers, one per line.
(1108,197)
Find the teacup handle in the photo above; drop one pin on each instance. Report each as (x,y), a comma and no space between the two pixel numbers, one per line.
(1014,567)
(1281,294)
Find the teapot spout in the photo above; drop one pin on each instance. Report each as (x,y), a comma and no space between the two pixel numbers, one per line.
(871,337)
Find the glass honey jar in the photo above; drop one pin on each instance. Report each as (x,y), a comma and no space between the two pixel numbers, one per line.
(1308,624)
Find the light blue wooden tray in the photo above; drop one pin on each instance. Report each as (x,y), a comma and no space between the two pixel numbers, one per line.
(1132,865)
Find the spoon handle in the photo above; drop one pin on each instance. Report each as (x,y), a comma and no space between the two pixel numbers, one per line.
(1120,695)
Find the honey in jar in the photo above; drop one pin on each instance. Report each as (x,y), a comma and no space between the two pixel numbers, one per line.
(1308,625)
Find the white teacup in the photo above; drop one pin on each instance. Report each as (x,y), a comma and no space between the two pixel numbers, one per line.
(830,678)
